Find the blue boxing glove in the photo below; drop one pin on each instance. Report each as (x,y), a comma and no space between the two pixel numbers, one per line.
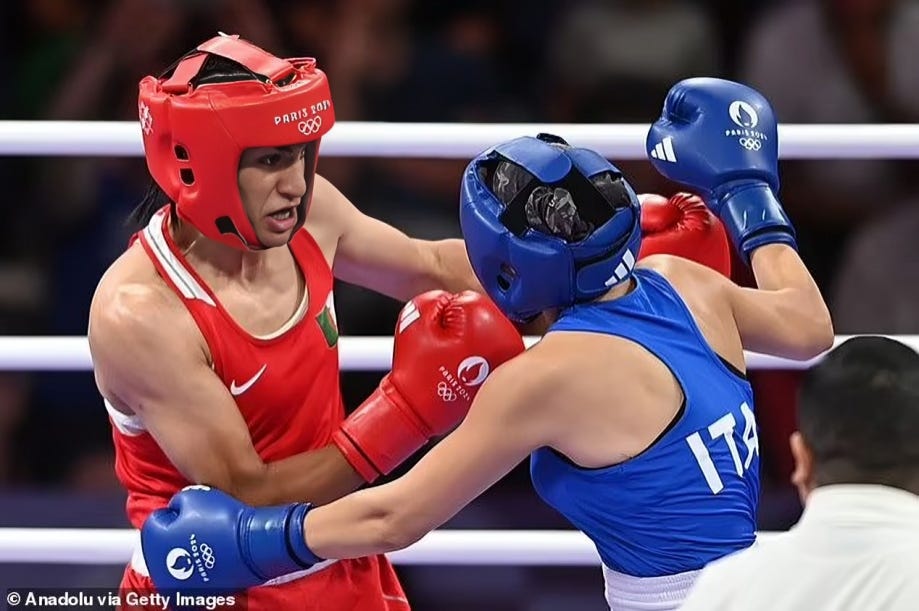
(207,542)
(720,138)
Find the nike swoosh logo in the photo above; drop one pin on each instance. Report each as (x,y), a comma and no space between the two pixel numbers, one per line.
(238,390)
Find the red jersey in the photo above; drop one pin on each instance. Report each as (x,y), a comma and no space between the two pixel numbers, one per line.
(287,389)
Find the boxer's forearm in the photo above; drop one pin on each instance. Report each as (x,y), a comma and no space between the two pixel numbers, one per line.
(787,316)
(778,267)
(318,477)
(360,524)
(453,271)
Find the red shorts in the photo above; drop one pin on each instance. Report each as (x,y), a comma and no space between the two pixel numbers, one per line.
(364,584)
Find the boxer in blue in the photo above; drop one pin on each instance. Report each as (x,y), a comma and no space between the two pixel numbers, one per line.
(634,407)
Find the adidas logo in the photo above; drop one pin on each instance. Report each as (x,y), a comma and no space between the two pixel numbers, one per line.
(622,270)
(408,315)
(663,150)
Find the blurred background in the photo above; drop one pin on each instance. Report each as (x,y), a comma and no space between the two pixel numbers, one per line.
(64,219)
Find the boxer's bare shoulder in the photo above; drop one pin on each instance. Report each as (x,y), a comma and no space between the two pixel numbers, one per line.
(132,288)
(708,296)
(684,272)
(135,314)
(132,267)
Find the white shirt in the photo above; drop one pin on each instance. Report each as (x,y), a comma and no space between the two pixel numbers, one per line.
(856,548)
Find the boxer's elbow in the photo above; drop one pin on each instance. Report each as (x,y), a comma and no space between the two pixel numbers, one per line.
(826,334)
(820,333)
(812,336)
(395,523)
(397,531)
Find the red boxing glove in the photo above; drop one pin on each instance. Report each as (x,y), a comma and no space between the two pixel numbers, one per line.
(684,226)
(445,346)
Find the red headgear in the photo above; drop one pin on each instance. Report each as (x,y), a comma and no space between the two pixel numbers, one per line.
(195,132)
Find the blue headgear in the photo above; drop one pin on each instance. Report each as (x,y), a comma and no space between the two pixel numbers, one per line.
(547,225)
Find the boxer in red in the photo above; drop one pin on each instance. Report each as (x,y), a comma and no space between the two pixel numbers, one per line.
(214,338)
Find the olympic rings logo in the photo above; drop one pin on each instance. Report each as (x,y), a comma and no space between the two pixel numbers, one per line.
(445,392)
(751,144)
(207,555)
(310,126)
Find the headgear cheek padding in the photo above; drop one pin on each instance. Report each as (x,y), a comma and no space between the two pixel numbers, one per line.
(525,270)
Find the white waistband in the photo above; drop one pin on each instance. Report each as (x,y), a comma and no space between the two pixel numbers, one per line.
(629,593)
(139,565)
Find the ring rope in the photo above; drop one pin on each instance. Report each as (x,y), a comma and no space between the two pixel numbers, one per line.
(108,546)
(356,353)
(465,140)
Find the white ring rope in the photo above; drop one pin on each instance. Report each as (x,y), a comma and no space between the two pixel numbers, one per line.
(356,353)
(465,140)
(103,546)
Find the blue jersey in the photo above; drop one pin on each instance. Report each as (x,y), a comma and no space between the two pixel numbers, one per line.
(690,497)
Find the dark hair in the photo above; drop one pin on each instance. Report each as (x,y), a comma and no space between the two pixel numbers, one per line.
(216,69)
(859,414)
